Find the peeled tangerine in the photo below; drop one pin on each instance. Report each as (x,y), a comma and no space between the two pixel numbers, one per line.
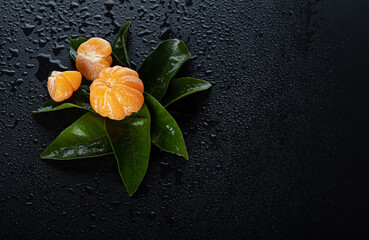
(61,85)
(117,93)
(93,57)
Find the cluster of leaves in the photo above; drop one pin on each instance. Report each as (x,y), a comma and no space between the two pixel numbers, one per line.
(129,139)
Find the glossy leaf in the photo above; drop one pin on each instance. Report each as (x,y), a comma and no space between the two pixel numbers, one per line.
(165,133)
(85,138)
(79,99)
(130,140)
(181,87)
(162,65)
(74,44)
(119,46)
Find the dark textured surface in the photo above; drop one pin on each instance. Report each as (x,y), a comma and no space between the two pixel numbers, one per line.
(278,146)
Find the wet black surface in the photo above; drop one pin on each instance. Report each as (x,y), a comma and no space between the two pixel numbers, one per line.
(277,147)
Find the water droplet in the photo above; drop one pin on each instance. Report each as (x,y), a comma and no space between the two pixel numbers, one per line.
(208,72)
(89,189)
(144,33)
(71,190)
(165,33)
(12,125)
(28,28)
(58,48)
(109,4)
(152,215)
(165,169)
(16,83)
(8,72)
(46,66)
(13,52)
(63,214)
(73,5)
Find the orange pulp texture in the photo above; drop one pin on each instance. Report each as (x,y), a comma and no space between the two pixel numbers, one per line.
(93,57)
(117,92)
(61,85)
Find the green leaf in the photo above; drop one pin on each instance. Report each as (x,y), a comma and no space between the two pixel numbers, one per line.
(85,138)
(165,133)
(182,87)
(74,44)
(79,99)
(130,140)
(119,46)
(162,65)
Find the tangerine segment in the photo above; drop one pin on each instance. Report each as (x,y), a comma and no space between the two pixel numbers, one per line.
(91,67)
(117,72)
(93,57)
(129,97)
(124,76)
(117,93)
(95,46)
(61,85)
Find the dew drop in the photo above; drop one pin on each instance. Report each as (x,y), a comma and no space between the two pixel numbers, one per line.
(27,29)
(47,65)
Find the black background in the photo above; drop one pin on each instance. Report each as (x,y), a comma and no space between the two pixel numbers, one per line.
(278,146)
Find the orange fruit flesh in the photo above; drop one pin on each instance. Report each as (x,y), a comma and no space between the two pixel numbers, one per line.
(93,57)
(117,93)
(61,85)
